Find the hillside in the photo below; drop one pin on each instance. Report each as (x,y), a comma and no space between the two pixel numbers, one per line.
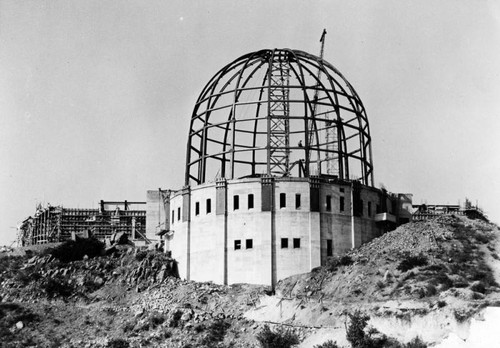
(424,279)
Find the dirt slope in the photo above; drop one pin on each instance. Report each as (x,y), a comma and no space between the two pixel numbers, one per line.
(425,279)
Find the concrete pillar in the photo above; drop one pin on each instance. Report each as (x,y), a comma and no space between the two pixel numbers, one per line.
(221,209)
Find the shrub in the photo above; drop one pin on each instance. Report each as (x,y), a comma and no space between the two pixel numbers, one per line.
(357,336)
(276,339)
(216,333)
(411,262)
(141,255)
(176,317)
(118,343)
(156,319)
(56,287)
(478,287)
(73,250)
(415,343)
(327,344)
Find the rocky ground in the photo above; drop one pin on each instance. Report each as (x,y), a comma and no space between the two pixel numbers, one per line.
(424,279)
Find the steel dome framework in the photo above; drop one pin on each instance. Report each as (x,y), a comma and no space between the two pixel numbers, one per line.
(280,112)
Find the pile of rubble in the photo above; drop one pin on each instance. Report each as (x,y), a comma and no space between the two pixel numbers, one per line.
(45,276)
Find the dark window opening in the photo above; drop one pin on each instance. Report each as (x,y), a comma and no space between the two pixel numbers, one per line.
(178,214)
(237,244)
(284,243)
(369,208)
(296,243)
(250,201)
(249,243)
(329,247)
(197,208)
(236,202)
(328,203)
(297,201)
(209,205)
(342,189)
(342,203)
(282,200)
(173,216)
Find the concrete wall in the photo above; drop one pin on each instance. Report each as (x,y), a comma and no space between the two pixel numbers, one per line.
(232,242)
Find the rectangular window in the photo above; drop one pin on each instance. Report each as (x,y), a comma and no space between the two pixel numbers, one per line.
(341,203)
(209,205)
(236,202)
(282,200)
(329,247)
(250,201)
(179,214)
(328,203)
(249,243)
(342,189)
(296,243)
(237,244)
(297,201)
(197,208)
(369,208)
(284,243)
(173,215)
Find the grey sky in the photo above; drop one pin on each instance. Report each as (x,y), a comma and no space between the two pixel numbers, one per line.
(96,96)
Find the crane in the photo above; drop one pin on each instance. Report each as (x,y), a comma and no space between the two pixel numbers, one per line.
(330,131)
(312,122)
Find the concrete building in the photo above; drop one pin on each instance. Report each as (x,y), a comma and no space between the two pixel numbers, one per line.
(279,174)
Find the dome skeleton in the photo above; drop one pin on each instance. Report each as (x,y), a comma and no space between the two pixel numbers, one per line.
(293,106)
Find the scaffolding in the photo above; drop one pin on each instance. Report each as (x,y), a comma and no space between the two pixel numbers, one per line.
(54,224)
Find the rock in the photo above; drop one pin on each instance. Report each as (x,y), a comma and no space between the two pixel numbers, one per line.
(19,325)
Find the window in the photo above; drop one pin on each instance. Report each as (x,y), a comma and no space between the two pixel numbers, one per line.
(237,244)
(209,205)
(297,201)
(296,243)
(282,200)
(329,247)
(342,189)
(284,243)
(173,216)
(250,201)
(178,214)
(328,203)
(378,209)
(249,243)
(369,208)
(197,208)
(236,202)
(341,203)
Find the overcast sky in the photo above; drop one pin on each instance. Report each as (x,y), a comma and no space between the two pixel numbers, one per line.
(96,96)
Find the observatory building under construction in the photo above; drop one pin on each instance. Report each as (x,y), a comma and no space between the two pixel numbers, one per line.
(279,174)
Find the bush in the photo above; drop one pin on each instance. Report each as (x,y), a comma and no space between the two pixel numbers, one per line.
(415,343)
(56,287)
(411,262)
(335,262)
(73,250)
(176,317)
(141,255)
(357,336)
(216,333)
(327,344)
(118,343)
(276,339)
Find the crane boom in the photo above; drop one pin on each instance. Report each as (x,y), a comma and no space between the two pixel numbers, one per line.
(312,122)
